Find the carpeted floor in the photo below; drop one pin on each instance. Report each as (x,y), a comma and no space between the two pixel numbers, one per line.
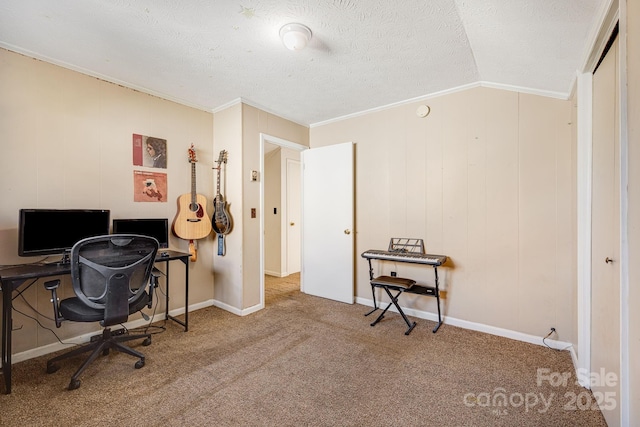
(278,288)
(307,361)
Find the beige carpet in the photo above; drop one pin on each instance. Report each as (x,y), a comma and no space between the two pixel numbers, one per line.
(305,361)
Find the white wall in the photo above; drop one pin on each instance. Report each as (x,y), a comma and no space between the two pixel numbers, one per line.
(227,269)
(254,123)
(66,142)
(632,353)
(487,178)
(273,221)
(275,196)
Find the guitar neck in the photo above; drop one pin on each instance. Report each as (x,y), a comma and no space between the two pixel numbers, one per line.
(218,183)
(193,183)
(221,159)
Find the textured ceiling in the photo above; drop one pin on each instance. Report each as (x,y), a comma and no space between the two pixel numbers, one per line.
(363,54)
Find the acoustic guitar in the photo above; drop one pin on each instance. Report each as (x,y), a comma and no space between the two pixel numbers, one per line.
(221,220)
(191,221)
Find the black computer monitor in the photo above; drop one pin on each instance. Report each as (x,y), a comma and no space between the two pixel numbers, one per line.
(154,227)
(55,231)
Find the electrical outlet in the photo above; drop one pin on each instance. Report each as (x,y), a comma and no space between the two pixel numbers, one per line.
(394,274)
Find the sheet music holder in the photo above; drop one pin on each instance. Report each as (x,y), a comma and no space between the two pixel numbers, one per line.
(399,244)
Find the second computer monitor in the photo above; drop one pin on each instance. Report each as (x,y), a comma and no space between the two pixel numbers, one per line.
(154,227)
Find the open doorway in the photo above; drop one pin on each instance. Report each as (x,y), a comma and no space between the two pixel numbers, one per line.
(281,195)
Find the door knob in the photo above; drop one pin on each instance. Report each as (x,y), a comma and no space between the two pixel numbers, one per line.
(608,260)
(347,231)
(292,224)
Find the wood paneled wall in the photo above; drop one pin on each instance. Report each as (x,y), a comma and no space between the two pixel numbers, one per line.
(487,178)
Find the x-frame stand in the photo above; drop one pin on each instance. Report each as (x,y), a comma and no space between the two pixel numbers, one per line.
(409,251)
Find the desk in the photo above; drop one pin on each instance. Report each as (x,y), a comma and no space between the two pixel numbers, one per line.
(184,257)
(13,277)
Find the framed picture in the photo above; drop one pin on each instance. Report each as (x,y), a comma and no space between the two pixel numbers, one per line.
(149,186)
(149,151)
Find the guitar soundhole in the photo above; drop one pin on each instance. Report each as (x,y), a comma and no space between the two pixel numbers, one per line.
(199,211)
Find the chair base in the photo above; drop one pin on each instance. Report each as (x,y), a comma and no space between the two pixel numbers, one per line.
(100,344)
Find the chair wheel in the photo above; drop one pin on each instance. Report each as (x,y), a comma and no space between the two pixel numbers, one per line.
(146,342)
(139,364)
(52,368)
(105,352)
(74,384)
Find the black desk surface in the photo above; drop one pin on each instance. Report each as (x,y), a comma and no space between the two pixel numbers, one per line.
(20,273)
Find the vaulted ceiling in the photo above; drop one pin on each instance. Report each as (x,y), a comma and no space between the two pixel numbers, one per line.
(363,54)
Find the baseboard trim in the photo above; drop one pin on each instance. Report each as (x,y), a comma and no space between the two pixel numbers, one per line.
(192,307)
(80,339)
(275,273)
(84,338)
(480,327)
(238,311)
(506,333)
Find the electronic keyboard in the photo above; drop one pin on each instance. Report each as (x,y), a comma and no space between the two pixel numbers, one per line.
(402,256)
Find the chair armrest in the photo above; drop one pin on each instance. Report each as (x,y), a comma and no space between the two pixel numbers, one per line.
(52,285)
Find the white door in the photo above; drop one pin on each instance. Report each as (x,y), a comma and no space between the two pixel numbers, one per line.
(605,250)
(293,216)
(327,222)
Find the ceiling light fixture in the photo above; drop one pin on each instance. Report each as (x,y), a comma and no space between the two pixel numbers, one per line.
(295,36)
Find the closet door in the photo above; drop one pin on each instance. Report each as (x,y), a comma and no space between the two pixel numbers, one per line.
(605,249)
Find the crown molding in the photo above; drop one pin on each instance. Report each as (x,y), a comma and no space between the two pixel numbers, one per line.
(512,88)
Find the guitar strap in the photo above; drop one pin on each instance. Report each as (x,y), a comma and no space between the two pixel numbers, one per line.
(221,246)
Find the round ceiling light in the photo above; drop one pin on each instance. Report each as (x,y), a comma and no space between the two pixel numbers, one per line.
(295,36)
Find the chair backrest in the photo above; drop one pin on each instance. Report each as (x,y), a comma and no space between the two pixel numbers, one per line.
(111,272)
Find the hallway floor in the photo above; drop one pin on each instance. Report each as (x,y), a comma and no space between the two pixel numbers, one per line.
(277,288)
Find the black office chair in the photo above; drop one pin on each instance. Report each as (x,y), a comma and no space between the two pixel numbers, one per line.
(110,275)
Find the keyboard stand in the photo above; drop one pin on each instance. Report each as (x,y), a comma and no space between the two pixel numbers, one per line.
(406,251)
(398,285)
(432,291)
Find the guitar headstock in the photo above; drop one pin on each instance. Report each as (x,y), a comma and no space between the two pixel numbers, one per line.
(192,154)
(222,158)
